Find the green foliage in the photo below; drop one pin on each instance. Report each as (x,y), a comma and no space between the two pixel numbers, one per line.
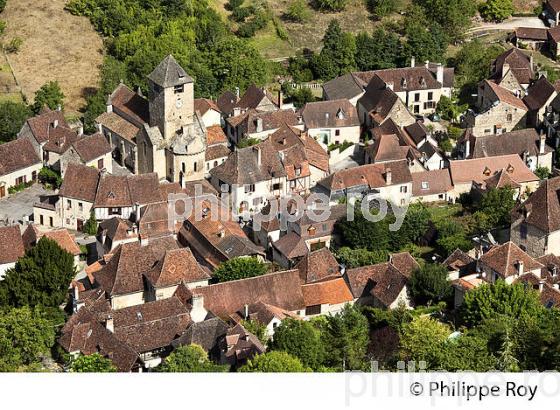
(490,300)
(340,146)
(90,227)
(498,203)
(337,56)
(354,258)
(496,10)
(19,187)
(449,109)
(14,45)
(2,27)
(49,95)
(298,11)
(301,96)
(239,268)
(430,284)
(346,337)
(189,359)
(257,328)
(26,335)
(382,8)
(331,5)
(467,353)
(300,69)
(451,236)
(2,5)
(94,363)
(543,172)
(248,142)
(302,340)
(274,362)
(423,339)
(40,278)
(363,234)
(425,39)
(382,49)
(50,177)
(454,16)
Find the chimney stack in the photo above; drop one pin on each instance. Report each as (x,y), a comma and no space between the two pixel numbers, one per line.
(237,92)
(198,312)
(80,130)
(390,85)
(413,61)
(388,176)
(542,143)
(55,123)
(520,267)
(259,124)
(280,99)
(427,64)
(246,311)
(259,156)
(109,324)
(439,73)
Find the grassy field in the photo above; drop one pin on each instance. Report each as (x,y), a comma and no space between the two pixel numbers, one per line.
(354,18)
(56,46)
(9,90)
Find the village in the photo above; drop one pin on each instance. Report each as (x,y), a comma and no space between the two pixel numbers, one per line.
(476,195)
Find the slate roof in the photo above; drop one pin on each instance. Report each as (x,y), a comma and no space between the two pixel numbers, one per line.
(539,93)
(281,289)
(543,206)
(80,182)
(169,73)
(347,86)
(252,98)
(515,142)
(60,139)
(206,334)
(92,147)
(378,99)
(431,182)
(16,155)
(117,229)
(503,259)
(226,102)
(11,244)
(330,114)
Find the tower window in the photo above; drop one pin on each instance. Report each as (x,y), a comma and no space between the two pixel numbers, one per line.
(195,167)
(178,89)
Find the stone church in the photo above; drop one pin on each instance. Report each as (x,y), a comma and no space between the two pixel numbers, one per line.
(173,142)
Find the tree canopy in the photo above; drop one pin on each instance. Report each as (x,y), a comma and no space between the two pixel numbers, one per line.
(274,362)
(430,284)
(239,268)
(49,95)
(12,117)
(189,359)
(40,278)
(94,363)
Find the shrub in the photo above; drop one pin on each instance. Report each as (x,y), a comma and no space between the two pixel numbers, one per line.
(50,178)
(14,45)
(331,5)
(239,268)
(298,11)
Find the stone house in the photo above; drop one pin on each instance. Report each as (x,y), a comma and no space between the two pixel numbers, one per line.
(259,125)
(383,285)
(113,232)
(553,41)
(498,111)
(209,112)
(33,233)
(538,99)
(11,247)
(514,71)
(270,316)
(391,181)
(535,223)
(551,12)
(91,151)
(217,150)
(254,98)
(332,122)
(527,143)
(466,173)
(19,164)
(431,186)
(533,38)
(507,262)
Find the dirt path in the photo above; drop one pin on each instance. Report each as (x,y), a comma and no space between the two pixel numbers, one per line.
(510,24)
(57,46)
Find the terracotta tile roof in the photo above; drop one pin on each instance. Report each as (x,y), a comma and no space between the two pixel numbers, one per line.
(410,78)
(539,93)
(80,182)
(330,114)
(287,137)
(203,105)
(378,99)
(122,191)
(264,313)
(404,262)
(216,135)
(417,131)
(131,106)
(500,179)
(515,142)
(41,124)
(431,182)
(318,266)
(178,265)
(371,175)
(118,125)
(226,102)
(554,5)
(16,155)
(271,120)
(551,268)
(554,33)
(11,244)
(60,139)
(383,281)
(478,170)
(550,297)
(252,98)
(240,345)
(62,237)
(281,289)
(506,96)
(123,272)
(117,229)
(154,221)
(387,147)
(291,246)
(92,147)
(542,207)
(460,261)
(531,33)
(215,152)
(390,127)
(503,260)
(332,292)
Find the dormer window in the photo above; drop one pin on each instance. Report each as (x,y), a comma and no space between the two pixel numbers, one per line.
(510,169)
(111,195)
(298,171)
(340,114)
(425,185)
(487,171)
(311,230)
(403,83)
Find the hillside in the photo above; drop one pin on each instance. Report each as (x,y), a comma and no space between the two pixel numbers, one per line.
(56,46)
